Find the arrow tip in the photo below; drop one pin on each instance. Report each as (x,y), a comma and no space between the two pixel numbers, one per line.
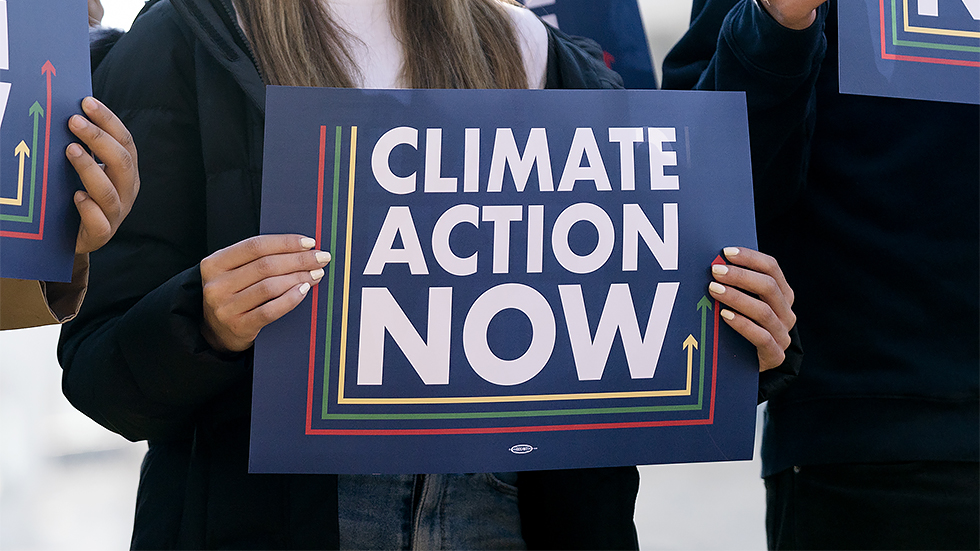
(48,68)
(22,149)
(705,302)
(690,341)
(36,109)
(718,260)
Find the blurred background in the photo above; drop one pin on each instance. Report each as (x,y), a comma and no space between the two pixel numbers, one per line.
(68,484)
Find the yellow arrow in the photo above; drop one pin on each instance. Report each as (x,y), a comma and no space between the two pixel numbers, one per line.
(691,344)
(21,151)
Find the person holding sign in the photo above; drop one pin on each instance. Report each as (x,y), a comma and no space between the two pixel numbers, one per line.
(871,203)
(161,350)
(110,190)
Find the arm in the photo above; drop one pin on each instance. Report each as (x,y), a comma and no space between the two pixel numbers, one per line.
(134,359)
(738,45)
(166,328)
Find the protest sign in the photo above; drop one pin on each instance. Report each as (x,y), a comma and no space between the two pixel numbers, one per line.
(615,24)
(915,49)
(44,74)
(519,281)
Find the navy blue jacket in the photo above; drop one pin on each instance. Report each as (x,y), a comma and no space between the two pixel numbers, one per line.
(184,82)
(870,205)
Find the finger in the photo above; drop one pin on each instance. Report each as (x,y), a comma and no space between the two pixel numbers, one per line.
(95,229)
(249,324)
(771,353)
(761,285)
(253,248)
(754,309)
(110,141)
(270,289)
(96,183)
(762,263)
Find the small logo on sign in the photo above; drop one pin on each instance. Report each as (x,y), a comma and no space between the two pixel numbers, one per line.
(522,449)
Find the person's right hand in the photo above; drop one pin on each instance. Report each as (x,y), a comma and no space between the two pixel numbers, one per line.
(793,14)
(253,283)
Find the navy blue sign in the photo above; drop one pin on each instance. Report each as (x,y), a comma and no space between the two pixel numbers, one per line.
(615,24)
(44,74)
(518,281)
(917,49)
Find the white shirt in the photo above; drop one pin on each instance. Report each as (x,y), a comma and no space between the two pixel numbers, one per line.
(379,55)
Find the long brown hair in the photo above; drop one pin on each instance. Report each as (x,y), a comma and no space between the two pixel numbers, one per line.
(448,43)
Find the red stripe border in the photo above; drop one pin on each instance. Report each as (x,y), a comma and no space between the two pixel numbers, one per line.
(473,430)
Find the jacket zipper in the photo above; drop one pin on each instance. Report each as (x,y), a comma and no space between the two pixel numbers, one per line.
(233,17)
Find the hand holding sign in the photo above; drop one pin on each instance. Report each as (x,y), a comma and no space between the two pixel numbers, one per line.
(253,283)
(95,13)
(757,290)
(793,14)
(110,189)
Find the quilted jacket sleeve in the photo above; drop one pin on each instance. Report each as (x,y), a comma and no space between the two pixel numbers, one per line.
(736,45)
(134,359)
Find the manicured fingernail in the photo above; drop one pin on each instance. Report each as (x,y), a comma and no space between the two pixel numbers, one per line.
(74,151)
(307,242)
(728,315)
(719,269)
(317,274)
(730,251)
(716,288)
(322,257)
(304,288)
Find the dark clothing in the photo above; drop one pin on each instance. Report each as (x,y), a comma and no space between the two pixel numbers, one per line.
(870,205)
(876,227)
(917,505)
(184,82)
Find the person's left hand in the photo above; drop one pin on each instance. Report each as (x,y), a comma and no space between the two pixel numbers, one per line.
(110,189)
(761,302)
(95,13)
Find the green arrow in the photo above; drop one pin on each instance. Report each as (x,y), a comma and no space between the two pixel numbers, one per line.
(37,112)
(703,305)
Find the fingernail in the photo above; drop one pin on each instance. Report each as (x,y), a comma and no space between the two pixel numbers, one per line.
(78,122)
(90,104)
(719,269)
(730,251)
(74,151)
(728,315)
(716,288)
(322,257)
(304,288)
(307,242)
(79,196)
(317,274)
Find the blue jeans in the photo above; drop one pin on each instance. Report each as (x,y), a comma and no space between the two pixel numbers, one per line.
(433,511)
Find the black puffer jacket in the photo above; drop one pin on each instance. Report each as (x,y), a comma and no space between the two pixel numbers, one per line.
(185,83)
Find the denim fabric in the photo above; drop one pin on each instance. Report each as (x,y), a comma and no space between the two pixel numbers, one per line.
(436,511)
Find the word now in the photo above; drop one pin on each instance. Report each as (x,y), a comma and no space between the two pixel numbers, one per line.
(4,58)
(381,314)
(931,8)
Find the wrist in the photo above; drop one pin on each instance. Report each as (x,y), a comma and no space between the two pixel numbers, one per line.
(797,20)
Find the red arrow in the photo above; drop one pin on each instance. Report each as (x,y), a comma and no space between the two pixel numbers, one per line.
(48,70)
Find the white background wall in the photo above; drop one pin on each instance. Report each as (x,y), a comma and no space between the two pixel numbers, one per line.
(66,483)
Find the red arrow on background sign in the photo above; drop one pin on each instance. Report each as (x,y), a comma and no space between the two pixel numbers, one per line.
(48,70)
